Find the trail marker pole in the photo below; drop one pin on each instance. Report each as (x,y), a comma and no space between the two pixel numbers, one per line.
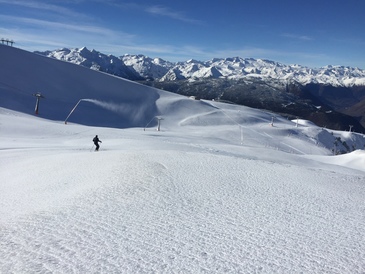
(241,135)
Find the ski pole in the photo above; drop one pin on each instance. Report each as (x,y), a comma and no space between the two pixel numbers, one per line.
(91,148)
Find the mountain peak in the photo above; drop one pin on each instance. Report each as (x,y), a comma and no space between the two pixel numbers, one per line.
(83,50)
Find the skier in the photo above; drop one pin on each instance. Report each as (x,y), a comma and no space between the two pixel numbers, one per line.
(96,142)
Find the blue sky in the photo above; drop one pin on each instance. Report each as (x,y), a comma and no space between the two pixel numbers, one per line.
(312,33)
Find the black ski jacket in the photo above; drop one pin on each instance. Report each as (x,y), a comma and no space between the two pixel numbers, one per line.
(96,140)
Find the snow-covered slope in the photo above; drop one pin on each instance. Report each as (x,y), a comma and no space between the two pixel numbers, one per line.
(220,188)
(110,101)
(231,68)
(192,199)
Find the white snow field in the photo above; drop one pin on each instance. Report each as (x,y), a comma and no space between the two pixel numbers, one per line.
(217,190)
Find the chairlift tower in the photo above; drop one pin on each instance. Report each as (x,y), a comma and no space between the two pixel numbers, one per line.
(7,41)
(38,95)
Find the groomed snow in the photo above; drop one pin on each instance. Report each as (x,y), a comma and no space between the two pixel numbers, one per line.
(187,200)
(219,189)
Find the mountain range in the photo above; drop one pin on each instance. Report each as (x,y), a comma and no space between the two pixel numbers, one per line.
(142,67)
(330,96)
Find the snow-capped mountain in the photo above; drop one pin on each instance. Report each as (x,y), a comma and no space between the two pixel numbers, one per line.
(146,67)
(94,60)
(137,67)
